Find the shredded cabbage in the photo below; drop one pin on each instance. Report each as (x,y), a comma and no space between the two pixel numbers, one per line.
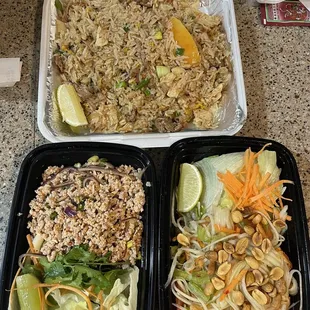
(267,162)
(212,188)
(209,167)
(117,298)
(222,217)
(232,162)
(69,301)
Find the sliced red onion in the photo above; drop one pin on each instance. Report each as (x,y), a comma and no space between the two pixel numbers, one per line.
(70,211)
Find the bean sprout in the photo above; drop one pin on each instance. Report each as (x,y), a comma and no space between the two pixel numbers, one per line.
(173,266)
(300,284)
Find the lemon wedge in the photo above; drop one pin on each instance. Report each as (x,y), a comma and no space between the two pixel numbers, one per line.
(70,106)
(190,187)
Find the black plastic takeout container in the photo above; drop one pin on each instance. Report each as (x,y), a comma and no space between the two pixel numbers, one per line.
(67,154)
(191,150)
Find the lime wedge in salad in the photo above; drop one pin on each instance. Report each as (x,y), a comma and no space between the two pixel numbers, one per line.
(70,106)
(190,187)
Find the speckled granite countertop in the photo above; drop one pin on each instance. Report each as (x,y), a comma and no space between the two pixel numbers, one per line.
(276,64)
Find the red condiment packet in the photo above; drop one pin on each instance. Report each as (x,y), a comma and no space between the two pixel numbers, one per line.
(286,13)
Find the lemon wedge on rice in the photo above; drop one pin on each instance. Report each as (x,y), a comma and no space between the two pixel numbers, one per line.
(190,187)
(70,106)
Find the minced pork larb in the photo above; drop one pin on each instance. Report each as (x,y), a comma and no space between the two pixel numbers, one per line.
(96,205)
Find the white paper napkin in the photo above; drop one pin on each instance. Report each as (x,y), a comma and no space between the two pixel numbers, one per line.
(10,71)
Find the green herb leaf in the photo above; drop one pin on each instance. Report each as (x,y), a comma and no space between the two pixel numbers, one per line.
(143,83)
(78,255)
(59,51)
(56,269)
(81,206)
(53,215)
(147,92)
(72,269)
(111,276)
(126,28)
(29,268)
(121,84)
(180,51)
(59,6)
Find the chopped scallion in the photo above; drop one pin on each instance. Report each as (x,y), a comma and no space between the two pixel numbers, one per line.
(143,83)
(126,28)
(147,92)
(121,84)
(180,51)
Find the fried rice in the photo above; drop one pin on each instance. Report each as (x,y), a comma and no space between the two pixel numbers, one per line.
(107,49)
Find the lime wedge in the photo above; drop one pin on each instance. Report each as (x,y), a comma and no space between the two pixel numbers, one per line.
(28,296)
(190,187)
(70,106)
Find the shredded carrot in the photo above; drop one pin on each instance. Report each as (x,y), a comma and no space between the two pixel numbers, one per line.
(248,168)
(241,178)
(47,302)
(90,289)
(233,184)
(257,207)
(232,284)
(100,297)
(249,189)
(264,180)
(273,200)
(223,229)
(32,249)
(31,246)
(281,202)
(263,149)
(246,157)
(269,189)
(266,201)
(92,294)
(231,195)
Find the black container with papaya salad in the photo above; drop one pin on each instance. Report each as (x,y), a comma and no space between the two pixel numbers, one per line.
(296,244)
(68,154)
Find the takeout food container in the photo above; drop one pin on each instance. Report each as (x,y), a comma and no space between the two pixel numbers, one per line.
(232,115)
(296,245)
(67,154)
